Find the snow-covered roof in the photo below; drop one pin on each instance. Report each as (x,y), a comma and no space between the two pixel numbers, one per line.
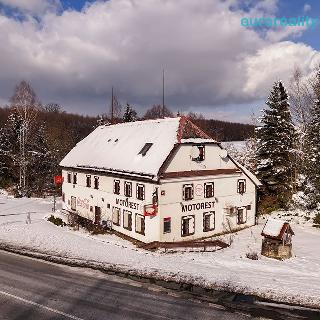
(275,228)
(118,147)
(198,140)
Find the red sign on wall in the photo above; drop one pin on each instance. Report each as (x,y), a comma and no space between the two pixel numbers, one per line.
(57,180)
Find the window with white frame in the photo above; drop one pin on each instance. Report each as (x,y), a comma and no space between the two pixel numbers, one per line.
(127,220)
(201,155)
(167,225)
(116,216)
(241,186)
(140,224)
(128,189)
(187,225)
(241,215)
(140,191)
(96,183)
(69,177)
(116,186)
(88,180)
(187,192)
(209,189)
(209,222)
(74,178)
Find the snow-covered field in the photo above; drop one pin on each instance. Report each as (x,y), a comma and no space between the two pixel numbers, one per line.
(296,280)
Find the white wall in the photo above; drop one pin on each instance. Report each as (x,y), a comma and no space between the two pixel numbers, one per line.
(225,196)
(104,198)
(182,161)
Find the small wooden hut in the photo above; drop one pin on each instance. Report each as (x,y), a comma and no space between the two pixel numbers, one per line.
(277,242)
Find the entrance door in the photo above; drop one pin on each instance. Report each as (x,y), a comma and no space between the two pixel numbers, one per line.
(73,203)
(97,215)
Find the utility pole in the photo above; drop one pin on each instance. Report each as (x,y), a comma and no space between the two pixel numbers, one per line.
(162,93)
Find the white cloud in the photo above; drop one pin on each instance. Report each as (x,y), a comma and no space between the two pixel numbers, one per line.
(306,7)
(74,58)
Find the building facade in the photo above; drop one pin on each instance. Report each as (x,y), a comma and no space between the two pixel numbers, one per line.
(158,180)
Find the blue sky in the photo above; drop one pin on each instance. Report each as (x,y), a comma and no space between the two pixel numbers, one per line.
(74,51)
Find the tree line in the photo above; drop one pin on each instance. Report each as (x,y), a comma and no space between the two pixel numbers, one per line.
(34,137)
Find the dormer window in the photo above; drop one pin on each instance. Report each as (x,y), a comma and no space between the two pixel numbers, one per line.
(145,149)
(200,154)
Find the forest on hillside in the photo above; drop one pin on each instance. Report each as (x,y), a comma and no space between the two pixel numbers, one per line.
(34,137)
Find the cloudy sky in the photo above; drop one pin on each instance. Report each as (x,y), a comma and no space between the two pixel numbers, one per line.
(74,51)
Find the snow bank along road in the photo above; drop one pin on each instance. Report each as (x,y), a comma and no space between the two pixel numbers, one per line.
(32,289)
(296,280)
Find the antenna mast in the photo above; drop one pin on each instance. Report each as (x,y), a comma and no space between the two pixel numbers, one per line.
(162,93)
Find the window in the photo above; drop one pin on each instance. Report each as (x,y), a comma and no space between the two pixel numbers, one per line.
(69,177)
(88,181)
(127,220)
(140,223)
(116,216)
(241,186)
(63,197)
(209,190)
(187,226)
(242,215)
(116,186)
(201,153)
(187,193)
(249,207)
(128,189)
(74,178)
(209,222)
(140,191)
(167,225)
(145,149)
(96,183)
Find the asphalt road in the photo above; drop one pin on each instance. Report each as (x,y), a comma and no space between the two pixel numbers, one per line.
(32,289)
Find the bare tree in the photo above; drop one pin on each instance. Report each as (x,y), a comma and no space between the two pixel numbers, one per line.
(158,112)
(26,104)
(115,108)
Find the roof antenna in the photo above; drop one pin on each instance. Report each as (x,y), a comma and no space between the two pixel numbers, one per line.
(162,93)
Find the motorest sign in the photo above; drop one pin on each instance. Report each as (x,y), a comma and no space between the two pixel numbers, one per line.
(197,206)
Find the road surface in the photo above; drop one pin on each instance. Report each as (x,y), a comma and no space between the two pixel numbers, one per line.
(32,289)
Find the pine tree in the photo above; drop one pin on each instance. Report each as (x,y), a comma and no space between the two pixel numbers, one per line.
(130,115)
(276,146)
(312,188)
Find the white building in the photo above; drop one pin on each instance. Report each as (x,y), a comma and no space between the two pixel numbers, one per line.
(158,180)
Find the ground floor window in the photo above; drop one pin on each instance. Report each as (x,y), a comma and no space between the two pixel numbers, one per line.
(73,203)
(209,222)
(241,215)
(140,224)
(127,220)
(187,225)
(116,216)
(167,225)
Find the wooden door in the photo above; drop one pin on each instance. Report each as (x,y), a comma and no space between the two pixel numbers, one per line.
(97,215)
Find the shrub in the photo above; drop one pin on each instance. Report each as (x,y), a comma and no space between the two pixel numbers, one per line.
(252,255)
(316,219)
(57,221)
(268,204)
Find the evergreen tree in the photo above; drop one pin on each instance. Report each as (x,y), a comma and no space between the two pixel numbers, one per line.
(312,165)
(276,146)
(130,115)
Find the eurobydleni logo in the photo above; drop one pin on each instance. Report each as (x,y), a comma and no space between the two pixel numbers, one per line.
(300,21)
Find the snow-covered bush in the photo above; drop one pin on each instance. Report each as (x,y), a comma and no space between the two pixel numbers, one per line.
(252,255)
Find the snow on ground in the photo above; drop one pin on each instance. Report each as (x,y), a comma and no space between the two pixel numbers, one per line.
(295,280)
